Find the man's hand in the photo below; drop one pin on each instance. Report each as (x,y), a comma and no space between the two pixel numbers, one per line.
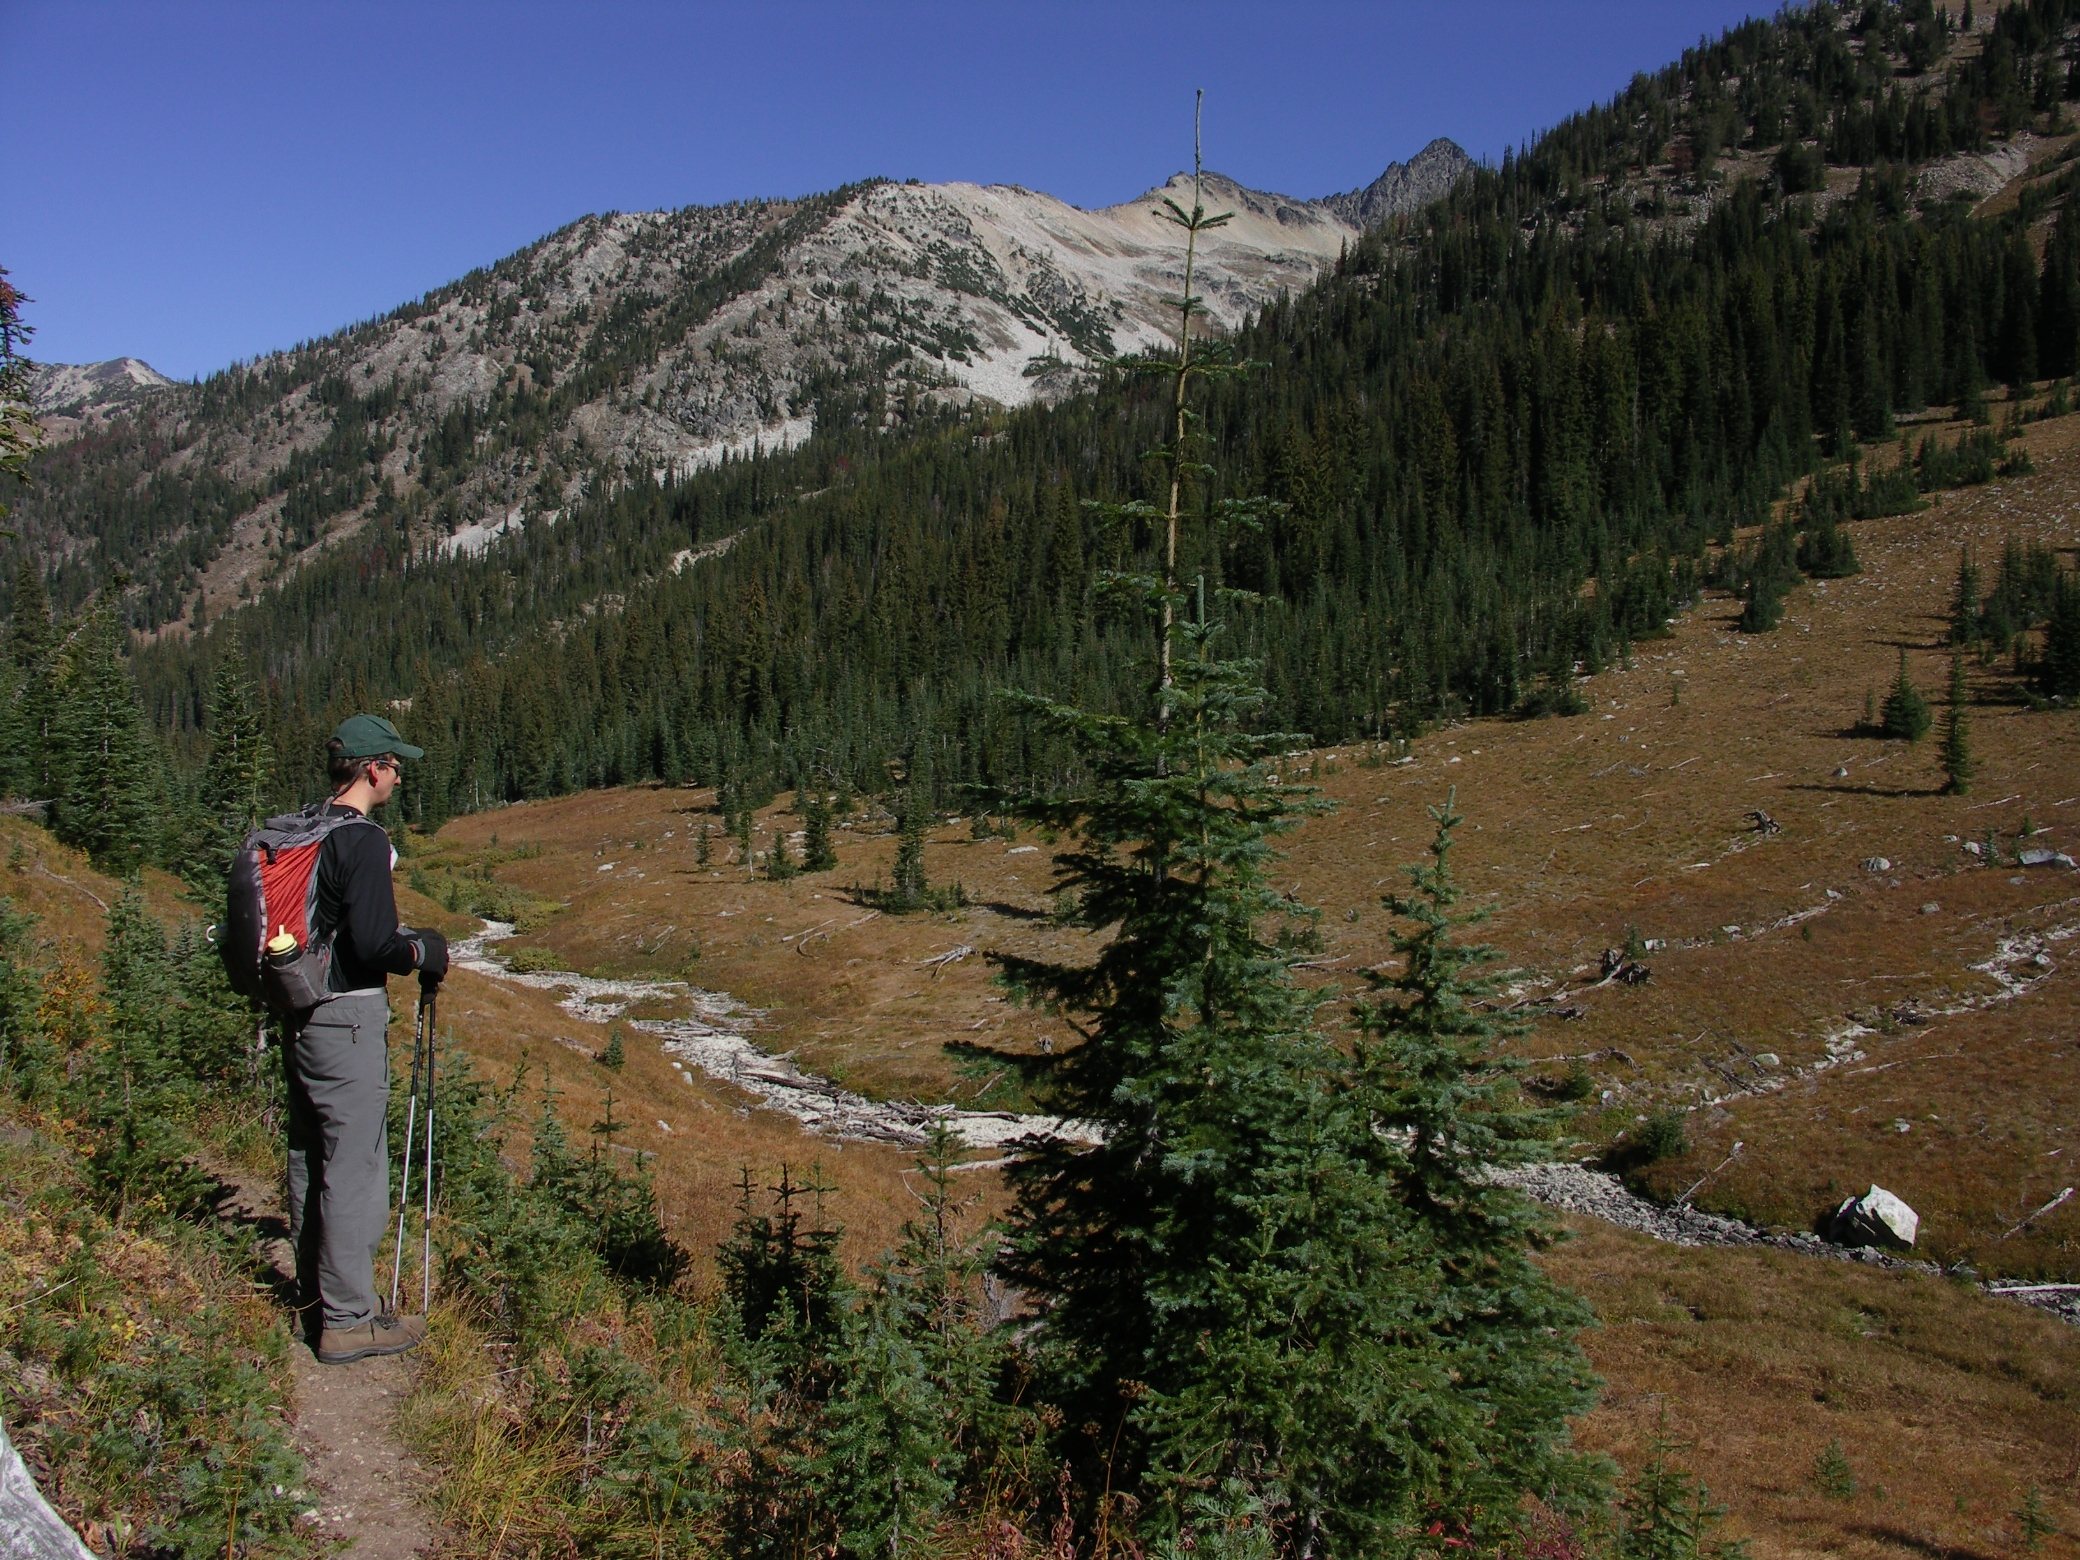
(430,953)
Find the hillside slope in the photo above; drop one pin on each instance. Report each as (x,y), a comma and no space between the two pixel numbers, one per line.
(631,345)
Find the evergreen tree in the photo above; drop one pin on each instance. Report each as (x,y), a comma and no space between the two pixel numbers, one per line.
(909,887)
(818,854)
(1964,600)
(110,787)
(780,862)
(2059,671)
(704,845)
(136,1092)
(1825,551)
(1667,1514)
(1443,1108)
(788,1300)
(914,1419)
(1957,748)
(239,776)
(1905,714)
(1240,1314)
(34,647)
(15,759)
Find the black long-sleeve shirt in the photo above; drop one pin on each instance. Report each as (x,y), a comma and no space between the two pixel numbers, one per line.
(354,896)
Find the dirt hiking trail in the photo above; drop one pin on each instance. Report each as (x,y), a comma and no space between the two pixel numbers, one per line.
(367,1489)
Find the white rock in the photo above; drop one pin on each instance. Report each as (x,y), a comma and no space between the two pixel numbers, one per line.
(2040,857)
(1877,864)
(1877,1218)
(29,1528)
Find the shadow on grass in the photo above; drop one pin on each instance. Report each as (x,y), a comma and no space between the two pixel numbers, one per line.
(1013,912)
(1845,788)
(1892,1533)
(269,1256)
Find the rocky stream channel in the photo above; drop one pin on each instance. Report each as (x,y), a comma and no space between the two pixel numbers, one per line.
(714,1037)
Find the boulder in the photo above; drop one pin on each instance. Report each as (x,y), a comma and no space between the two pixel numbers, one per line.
(1877,1218)
(1876,864)
(2045,858)
(29,1529)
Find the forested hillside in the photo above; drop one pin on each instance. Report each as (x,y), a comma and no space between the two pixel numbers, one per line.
(1506,434)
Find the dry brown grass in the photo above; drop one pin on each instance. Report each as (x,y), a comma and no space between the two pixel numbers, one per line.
(1948,1408)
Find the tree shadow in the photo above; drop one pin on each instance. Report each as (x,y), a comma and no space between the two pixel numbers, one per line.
(1892,1533)
(1846,788)
(269,1255)
(1014,912)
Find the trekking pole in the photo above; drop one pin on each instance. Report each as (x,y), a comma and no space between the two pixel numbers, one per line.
(428,996)
(404,1189)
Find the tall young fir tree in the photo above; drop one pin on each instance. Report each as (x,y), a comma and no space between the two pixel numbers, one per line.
(1957,737)
(1444,1109)
(1239,1312)
(110,787)
(34,646)
(239,777)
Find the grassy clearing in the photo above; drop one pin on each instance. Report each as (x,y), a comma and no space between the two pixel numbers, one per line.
(1948,1408)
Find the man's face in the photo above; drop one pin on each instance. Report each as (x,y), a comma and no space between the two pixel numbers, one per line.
(383,775)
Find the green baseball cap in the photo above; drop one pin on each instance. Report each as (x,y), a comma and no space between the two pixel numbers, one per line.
(371,736)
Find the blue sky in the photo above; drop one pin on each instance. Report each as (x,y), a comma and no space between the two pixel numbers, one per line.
(198,182)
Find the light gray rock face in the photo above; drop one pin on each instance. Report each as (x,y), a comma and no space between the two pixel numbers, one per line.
(2045,858)
(29,1529)
(73,387)
(1404,186)
(1877,1218)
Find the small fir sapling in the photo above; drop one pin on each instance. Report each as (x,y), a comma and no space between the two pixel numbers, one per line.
(2032,1522)
(1667,1514)
(915,1417)
(1832,1475)
(1905,715)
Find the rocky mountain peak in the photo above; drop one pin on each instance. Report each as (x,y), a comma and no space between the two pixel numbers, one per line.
(77,387)
(1404,186)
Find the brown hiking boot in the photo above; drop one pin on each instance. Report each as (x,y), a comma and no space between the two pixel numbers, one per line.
(384,1335)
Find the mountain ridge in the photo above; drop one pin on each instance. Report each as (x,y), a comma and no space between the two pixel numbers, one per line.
(658,343)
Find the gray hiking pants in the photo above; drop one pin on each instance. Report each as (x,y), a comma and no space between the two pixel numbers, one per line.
(338,1065)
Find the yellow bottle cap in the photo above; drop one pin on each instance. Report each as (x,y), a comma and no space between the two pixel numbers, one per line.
(283,941)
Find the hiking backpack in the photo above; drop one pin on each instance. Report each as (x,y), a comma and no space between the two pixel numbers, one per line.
(273,893)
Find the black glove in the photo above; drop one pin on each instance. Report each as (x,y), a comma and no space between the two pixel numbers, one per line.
(430,953)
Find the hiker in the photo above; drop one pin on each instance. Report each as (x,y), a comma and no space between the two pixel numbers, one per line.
(338,1060)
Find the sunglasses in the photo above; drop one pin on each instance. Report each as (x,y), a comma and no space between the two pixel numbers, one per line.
(390,764)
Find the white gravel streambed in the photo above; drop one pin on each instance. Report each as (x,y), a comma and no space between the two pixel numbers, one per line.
(712,1037)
